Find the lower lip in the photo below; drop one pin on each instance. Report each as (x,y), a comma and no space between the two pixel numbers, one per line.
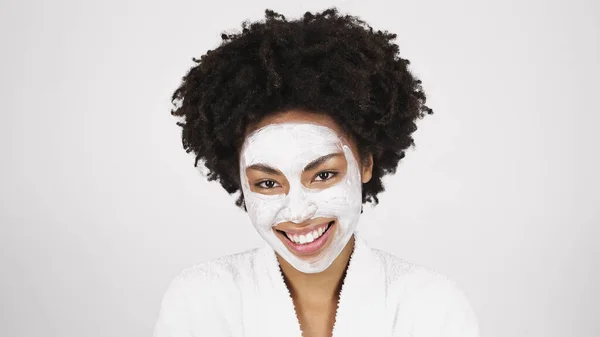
(308,249)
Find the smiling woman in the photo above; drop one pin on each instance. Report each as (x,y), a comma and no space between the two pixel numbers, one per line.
(304,118)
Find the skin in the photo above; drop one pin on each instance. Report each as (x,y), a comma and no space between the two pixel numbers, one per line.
(315,296)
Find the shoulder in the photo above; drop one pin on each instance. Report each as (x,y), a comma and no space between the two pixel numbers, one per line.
(202,290)
(413,277)
(430,298)
(215,274)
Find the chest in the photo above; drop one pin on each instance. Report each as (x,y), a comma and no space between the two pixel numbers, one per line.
(316,320)
(264,314)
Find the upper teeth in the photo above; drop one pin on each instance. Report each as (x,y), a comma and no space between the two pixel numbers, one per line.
(307,238)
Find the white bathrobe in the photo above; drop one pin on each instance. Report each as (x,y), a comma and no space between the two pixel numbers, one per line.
(245,295)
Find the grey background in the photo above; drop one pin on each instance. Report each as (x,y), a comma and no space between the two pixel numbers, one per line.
(100,207)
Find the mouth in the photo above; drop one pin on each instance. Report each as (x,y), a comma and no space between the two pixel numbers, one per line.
(309,243)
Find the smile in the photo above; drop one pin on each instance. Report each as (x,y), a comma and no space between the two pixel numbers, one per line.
(307,242)
(308,237)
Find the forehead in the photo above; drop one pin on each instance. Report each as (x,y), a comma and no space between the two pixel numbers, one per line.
(289,142)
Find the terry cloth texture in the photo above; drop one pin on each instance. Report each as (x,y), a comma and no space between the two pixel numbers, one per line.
(244,295)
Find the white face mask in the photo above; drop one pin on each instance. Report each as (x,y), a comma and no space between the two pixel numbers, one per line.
(289,147)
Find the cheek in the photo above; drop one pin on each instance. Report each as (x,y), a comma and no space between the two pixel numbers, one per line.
(338,197)
(263,211)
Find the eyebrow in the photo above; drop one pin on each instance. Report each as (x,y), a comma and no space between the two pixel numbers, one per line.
(315,163)
(264,168)
(311,166)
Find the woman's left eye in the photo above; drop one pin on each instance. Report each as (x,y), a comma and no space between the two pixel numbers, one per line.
(326,175)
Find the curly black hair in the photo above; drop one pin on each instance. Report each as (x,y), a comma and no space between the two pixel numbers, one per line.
(323,63)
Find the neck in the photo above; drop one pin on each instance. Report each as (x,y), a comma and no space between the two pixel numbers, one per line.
(318,288)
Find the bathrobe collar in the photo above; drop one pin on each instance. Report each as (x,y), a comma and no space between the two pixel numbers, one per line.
(361,305)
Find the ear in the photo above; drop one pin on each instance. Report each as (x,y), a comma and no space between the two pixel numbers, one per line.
(367,169)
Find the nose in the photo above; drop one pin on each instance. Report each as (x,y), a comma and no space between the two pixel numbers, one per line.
(298,209)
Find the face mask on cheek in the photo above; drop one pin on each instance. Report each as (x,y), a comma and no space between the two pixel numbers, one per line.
(289,147)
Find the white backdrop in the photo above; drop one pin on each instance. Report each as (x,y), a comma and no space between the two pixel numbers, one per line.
(100,206)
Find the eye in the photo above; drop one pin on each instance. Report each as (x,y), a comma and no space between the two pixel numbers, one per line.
(266,184)
(325,175)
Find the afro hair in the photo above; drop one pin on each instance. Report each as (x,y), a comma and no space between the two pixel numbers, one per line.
(323,63)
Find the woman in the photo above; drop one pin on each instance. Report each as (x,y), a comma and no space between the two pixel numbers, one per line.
(304,118)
